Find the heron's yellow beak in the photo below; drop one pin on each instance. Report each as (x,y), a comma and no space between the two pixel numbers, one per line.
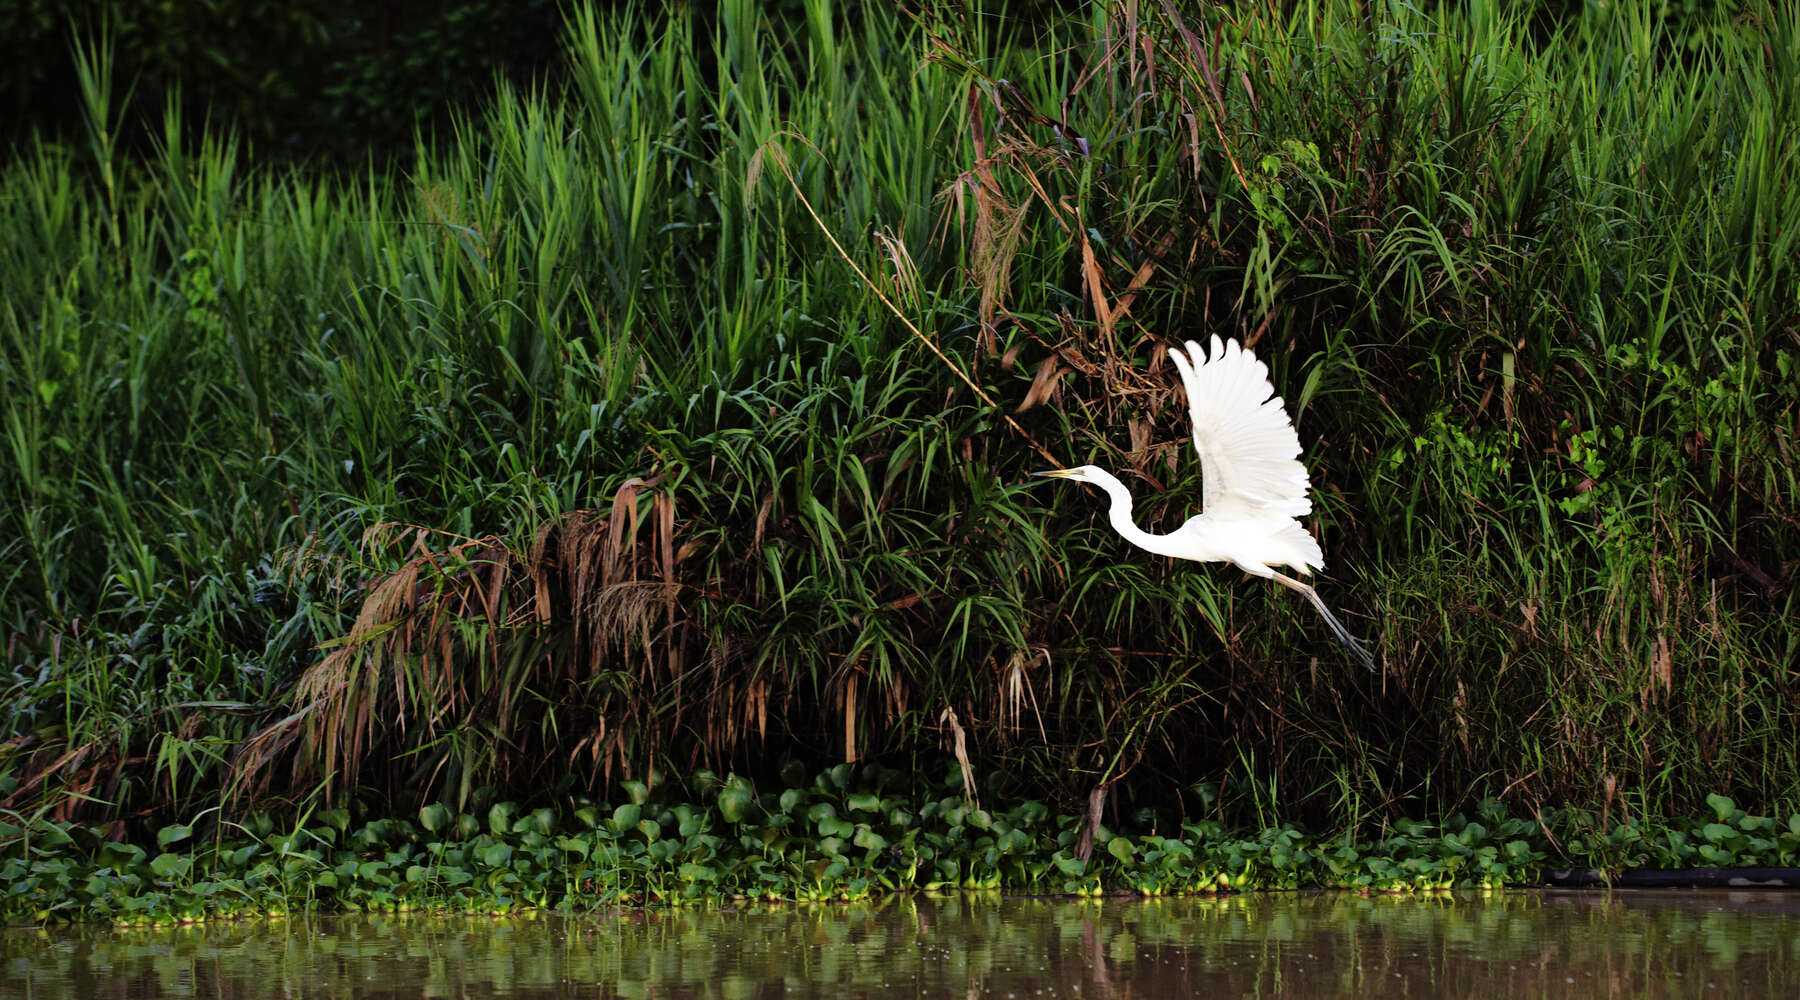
(1056,473)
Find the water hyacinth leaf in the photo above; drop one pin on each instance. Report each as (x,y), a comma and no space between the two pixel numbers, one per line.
(500,818)
(337,819)
(170,835)
(651,830)
(864,802)
(636,791)
(1121,848)
(868,839)
(435,817)
(694,872)
(1722,806)
(169,865)
(118,854)
(541,822)
(626,816)
(734,803)
(791,798)
(497,855)
(576,846)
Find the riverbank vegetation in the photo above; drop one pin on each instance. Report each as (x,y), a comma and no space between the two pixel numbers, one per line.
(837,838)
(678,418)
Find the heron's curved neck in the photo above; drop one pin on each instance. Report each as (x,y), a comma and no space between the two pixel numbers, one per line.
(1120,514)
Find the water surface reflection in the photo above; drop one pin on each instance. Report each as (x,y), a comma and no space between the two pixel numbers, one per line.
(1287,944)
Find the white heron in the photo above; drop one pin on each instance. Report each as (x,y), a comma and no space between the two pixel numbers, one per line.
(1253,486)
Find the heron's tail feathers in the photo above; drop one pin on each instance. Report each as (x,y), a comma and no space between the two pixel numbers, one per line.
(1303,552)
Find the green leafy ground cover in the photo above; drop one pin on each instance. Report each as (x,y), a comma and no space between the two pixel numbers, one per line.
(579,452)
(836,839)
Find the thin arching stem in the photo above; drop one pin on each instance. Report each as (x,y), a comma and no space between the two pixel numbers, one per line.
(1356,646)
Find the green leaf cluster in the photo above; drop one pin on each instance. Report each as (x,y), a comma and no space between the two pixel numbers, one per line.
(832,839)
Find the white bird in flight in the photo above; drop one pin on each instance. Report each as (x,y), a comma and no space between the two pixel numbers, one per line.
(1253,489)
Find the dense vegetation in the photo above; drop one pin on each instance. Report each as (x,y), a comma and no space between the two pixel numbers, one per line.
(680,419)
(830,839)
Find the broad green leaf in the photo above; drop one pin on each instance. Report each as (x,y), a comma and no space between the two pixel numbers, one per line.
(1722,807)
(734,803)
(575,845)
(868,839)
(541,822)
(434,817)
(865,802)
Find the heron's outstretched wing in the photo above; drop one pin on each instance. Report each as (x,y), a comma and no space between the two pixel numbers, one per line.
(1249,452)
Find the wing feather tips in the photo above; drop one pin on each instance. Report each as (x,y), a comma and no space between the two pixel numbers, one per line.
(1248,447)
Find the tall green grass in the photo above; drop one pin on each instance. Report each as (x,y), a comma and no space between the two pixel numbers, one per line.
(579,452)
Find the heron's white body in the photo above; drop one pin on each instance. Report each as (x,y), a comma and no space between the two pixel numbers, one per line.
(1254,543)
(1254,488)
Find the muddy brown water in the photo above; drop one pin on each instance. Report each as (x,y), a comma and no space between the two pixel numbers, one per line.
(1516,943)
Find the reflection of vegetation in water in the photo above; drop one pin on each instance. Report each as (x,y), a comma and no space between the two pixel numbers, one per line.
(1336,943)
